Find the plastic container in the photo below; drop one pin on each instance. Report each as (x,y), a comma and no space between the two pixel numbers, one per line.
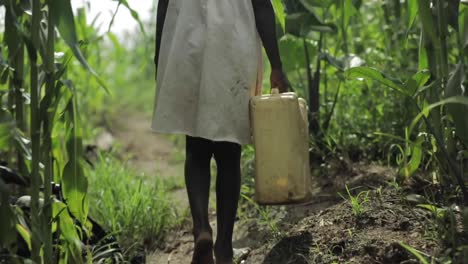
(281,142)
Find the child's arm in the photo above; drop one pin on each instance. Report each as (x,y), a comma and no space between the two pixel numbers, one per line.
(266,27)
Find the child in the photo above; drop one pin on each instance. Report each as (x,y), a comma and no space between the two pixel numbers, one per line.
(208,56)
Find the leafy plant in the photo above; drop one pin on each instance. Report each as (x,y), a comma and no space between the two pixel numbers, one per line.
(434,91)
(42,100)
(415,253)
(265,214)
(357,202)
(446,226)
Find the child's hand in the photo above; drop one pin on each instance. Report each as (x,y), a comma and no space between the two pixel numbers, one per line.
(279,80)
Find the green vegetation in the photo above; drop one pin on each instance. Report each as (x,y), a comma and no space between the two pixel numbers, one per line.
(45,95)
(357,202)
(416,253)
(266,217)
(385,79)
(128,205)
(50,117)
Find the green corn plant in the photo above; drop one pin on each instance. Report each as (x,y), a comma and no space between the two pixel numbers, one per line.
(434,91)
(302,22)
(24,32)
(52,121)
(36,178)
(316,52)
(410,154)
(47,138)
(418,254)
(357,202)
(435,21)
(446,226)
(364,72)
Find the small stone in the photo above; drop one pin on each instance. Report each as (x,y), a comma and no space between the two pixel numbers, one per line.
(240,254)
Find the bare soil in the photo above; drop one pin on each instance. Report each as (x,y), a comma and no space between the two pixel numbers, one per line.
(151,155)
(326,230)
(336,235)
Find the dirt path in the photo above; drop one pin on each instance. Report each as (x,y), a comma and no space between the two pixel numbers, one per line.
(152,155)
(155,156)
(325,230)
(322,231)
(248,235)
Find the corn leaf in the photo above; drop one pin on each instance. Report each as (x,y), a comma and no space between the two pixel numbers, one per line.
(464,28)
(292,49)
(279,11)
(416,157)
(66,26)
(423,61)
(67,229)
(6,130)
(303,24)
(11,35)
(135,15)
(25,234)
(436,211)
(415,252)
(427,20)
(412,12)
(417,81)
(75,184)
(462,100)
(349,11)
(374,74)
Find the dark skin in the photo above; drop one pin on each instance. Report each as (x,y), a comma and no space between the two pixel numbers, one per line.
(227,155)
(266,27)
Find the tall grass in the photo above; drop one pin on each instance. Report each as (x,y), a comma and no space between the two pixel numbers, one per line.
(136,209)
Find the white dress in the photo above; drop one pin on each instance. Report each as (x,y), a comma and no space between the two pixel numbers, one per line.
(209,67)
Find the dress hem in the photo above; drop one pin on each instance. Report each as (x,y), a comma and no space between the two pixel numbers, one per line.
(218,139)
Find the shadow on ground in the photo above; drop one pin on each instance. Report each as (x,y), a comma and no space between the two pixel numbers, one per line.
(293,249)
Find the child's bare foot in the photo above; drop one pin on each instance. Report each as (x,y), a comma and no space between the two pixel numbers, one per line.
(203,252)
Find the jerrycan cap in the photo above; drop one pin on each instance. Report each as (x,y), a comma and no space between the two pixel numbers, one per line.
(275,91)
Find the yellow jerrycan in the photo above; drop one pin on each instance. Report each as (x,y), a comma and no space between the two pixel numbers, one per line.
(281,142)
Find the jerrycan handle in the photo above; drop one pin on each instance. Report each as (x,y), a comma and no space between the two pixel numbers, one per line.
(275,91)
